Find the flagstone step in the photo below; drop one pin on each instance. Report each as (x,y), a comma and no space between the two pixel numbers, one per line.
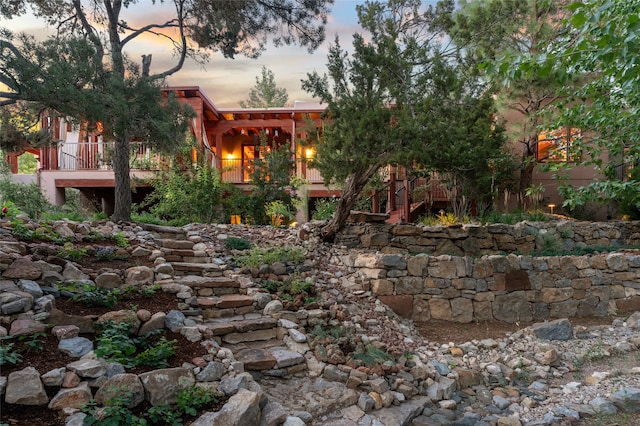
(276,361)
(243,324)
(204,269)
(199,282)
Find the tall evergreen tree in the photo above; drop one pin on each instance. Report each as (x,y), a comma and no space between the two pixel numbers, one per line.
(266,94)
(395,100)
(97,82)
(491,29)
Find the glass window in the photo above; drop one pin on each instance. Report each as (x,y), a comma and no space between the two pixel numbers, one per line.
(555,145)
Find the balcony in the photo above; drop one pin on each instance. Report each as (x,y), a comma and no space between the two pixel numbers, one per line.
(238,171)
(76,156)
(89,156)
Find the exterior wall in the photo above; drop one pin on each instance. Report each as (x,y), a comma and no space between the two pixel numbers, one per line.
(53,182)
(23,179)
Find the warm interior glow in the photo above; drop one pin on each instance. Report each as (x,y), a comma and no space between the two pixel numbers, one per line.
(229,156)
(309,153)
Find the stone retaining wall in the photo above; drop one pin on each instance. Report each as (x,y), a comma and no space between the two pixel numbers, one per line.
(477,240)
(508,288)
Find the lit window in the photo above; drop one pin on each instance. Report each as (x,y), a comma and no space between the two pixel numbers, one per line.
(555,145)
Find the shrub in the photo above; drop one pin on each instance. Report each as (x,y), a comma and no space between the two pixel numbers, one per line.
(233,243)
(183,196)
(260,256)
(28,198)
(279,213)
(114,343)
(325,209)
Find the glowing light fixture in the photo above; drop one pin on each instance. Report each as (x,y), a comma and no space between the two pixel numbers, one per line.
(551,207)
(309,153)
(242,132)
(229,156)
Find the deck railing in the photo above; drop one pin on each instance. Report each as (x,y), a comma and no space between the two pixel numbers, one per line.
(99,155)
(235,170)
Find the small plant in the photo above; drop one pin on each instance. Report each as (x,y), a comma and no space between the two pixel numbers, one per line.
(91,295)
(233,243)
(190,399)
(8,355)
(114,343)
(121,239)
(69,252)
(550,245)
(34,341)
(325,209)
(257,256)
(279,213)
(114,413)
(370,355)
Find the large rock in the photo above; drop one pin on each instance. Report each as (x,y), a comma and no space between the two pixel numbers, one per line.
(75,397)
(162,386)
(139,276)
(512,307)
(113,387)
(627,400)
(24,387)
(241,409)
(23,268)
(554,330)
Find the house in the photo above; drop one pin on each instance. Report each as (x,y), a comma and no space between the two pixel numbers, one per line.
(228,138)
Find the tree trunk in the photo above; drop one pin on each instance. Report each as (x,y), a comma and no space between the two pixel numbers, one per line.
(353,187)
(122,208)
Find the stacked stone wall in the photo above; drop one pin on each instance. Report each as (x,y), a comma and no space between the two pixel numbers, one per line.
(474,274)
(476,240)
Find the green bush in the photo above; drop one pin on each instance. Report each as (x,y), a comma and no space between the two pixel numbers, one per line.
(28,198)
(324,209)
(233,243)
(115,343)
(182,196)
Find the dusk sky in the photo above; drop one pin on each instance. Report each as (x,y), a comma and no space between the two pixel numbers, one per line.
(227,81)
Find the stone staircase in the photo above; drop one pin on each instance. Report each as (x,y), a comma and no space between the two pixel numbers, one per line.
(232,317)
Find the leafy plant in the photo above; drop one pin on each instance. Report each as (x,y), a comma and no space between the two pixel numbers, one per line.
(34,341)
(121,239)
(28,198)
(91,295)
(115,343)
(72,253)
(279,213)
(324,209)
(234,243)
(8,355)
(114,413)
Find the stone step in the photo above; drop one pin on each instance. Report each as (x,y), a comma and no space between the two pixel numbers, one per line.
(200,282)
(225,301)
(206,269)
(242,324)
(177,244)
(276,361)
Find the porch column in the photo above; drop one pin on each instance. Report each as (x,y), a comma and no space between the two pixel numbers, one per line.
(392,189)
(405,200)
(218,155)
